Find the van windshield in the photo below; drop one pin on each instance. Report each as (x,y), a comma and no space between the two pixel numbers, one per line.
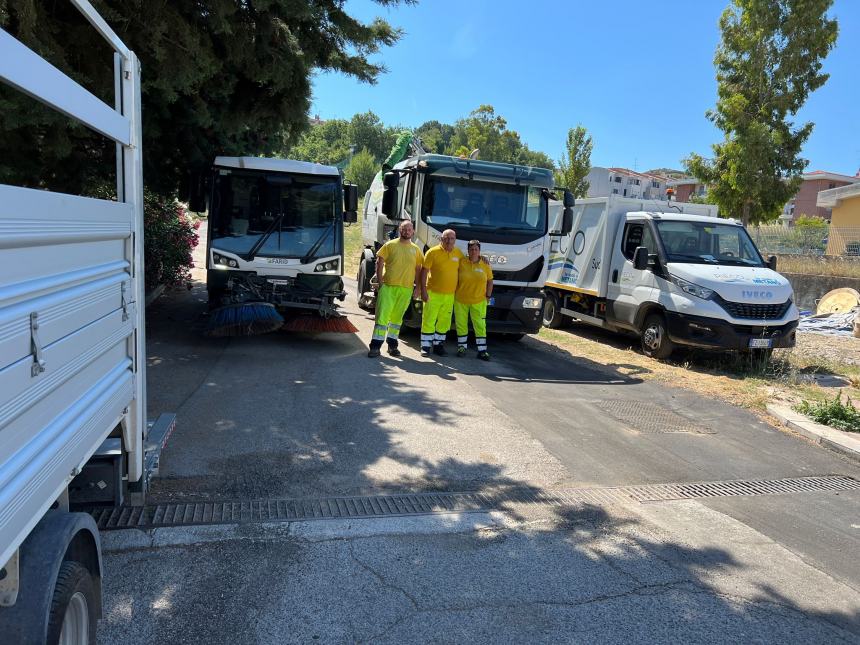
(707,243)
(275,214)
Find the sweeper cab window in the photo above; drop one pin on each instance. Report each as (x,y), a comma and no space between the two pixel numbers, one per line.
(275,214)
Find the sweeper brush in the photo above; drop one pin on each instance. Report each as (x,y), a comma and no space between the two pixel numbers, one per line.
(313,324)
(246,319)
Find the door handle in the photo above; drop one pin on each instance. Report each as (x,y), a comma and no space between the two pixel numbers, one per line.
(615,275)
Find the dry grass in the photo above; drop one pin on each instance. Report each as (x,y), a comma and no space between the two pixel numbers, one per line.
(846,267)
(736,379)
(352,244)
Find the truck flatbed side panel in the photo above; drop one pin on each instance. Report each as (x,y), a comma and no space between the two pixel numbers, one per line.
(67,326)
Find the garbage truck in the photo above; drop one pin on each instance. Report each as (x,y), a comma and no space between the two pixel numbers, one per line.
(276,236)
(505,206)
(671,273)
(73,427)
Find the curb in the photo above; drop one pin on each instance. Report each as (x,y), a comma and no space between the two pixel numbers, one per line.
(836,440)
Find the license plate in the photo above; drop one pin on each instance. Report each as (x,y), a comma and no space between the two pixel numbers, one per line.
(761,343)
(491,302)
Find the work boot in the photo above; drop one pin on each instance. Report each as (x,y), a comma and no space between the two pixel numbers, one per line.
(461,352)
(392,350)
(439,350)
(373,352)
(425,350)
(484,356)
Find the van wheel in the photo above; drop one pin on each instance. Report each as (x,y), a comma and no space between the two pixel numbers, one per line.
(72,618)
(552,316)
(655,339)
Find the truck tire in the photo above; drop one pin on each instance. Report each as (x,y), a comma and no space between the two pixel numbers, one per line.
(552,316)
(363,283)
(72,620)
(655,339)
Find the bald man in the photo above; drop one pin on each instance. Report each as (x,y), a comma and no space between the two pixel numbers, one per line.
(438,283)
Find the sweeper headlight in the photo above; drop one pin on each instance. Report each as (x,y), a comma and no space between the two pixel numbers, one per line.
(222,262)
(331,265)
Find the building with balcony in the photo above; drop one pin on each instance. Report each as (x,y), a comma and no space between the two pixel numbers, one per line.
(806,200)
(603,182)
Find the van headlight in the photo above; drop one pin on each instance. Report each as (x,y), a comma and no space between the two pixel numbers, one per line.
(331,265)
(223,262)
(532,303)
(693,289)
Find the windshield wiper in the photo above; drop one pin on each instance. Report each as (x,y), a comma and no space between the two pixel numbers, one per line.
(265,236)
(693,257)
(307,257)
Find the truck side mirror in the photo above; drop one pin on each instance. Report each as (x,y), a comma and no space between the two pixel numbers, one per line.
(771,263)
(640,258)
(391,180)
(350,203)
(567,221)
(569,201)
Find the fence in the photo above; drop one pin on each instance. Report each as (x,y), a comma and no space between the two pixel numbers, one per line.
(802,240)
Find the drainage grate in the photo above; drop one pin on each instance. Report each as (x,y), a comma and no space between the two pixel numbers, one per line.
(286,510)
(649,417)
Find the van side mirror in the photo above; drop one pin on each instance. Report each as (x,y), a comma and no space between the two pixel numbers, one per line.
(390,181)
(350,203)
(567,221)
(197,191)
(771,263)
(640,258)
(569,201)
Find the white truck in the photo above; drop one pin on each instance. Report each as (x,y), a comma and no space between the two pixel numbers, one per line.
(671,273)
(72,361)
(276,233)
(505,206)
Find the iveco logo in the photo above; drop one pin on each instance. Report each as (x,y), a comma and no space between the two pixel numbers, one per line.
(497,259)
(764,295)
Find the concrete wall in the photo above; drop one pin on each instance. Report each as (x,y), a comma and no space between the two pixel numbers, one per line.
(809,288)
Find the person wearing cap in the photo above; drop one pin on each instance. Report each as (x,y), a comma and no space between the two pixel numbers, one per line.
(438,284)
(474,288)
(398,263)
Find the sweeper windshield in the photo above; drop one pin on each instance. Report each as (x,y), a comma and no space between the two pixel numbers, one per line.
(265,214)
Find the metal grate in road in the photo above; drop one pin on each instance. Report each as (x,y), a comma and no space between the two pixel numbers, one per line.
(649,417)
(287,510)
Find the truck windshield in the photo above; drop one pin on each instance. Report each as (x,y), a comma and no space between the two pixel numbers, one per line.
(706,243)
(488,211)
(275,214)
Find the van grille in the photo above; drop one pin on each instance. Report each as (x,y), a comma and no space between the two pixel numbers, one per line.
(756,312)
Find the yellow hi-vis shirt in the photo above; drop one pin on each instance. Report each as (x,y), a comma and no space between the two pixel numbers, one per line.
(443,268)
(401,261)
(472,282)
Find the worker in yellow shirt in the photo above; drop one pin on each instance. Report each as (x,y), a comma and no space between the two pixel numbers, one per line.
(438,283)
(398,267)
(474,288)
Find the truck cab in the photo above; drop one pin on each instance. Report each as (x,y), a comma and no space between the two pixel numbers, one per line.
(504,206)
(276,233)
(674,274)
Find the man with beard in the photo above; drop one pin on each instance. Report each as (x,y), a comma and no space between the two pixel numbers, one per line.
(398,268)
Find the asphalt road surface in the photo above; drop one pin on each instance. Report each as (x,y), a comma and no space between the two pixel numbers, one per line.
(288,416)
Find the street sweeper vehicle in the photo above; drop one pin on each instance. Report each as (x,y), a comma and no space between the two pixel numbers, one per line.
(505,206)
(73,429)
(274,256)
(671,273)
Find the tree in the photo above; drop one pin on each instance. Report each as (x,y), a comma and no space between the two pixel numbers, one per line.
(326,143)
(768,62)
(487,131)
(219,77)
(575,162)
(361,170)
(435,136)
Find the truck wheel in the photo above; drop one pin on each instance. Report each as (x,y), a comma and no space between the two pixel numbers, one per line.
(72,619)
(655,339)
(552,316)
(363,285)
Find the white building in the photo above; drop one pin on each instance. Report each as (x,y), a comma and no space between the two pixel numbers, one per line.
(603,182)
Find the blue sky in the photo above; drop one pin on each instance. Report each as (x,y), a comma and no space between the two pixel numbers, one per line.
(638,75)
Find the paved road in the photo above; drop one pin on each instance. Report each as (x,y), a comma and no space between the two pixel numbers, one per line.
(294,415)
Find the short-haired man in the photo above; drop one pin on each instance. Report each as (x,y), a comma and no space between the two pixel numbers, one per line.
(398,267)
(438,283)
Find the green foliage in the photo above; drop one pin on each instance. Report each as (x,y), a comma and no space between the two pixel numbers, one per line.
(169,239)
(361,170)
(833,413)
(575,162)
(487,131)
(330,142)
(436,136)
(811,223)
(768,62)
(219,77)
